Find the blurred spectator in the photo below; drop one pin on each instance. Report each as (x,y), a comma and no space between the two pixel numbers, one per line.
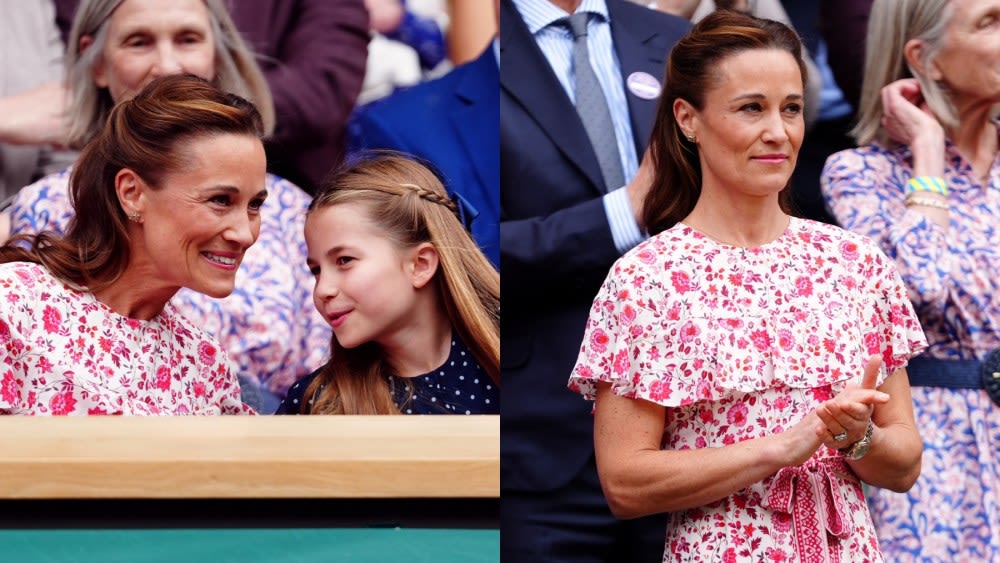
(472,25)
(32,98)
(407,46)
(453,123)
(268,326)
(313,55)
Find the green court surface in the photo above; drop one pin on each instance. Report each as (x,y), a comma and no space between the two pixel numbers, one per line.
(250,545)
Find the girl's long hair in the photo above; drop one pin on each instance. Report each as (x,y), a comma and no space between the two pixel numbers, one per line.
(407,202)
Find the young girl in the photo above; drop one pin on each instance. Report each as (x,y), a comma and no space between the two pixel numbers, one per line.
(413,302)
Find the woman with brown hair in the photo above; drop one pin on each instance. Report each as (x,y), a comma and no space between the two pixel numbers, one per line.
(167,195)
(747,365)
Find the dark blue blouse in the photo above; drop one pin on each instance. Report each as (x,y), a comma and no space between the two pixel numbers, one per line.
(459,386)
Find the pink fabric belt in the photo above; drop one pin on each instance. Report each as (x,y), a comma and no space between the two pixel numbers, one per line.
(810,495)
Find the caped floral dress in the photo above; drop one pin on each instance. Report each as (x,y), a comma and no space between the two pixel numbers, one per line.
(952,513)
(741,343)
(63,352)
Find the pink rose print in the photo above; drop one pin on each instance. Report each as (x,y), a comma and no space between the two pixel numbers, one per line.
(732,324)
(785,339)
(628,315)
(681,281)
(782,522)
(4,332)
(52,319)
(8,390)
(660,390)
(761,340)
(737,414)
(646,256)
(872,343)
(621,362)
(674,313)
(162,378)
(689,332)
(206,353)
(849,250)
(729,556)
(62,403)
(776,554)
(199,388)
(44,365)
(599,341)
(803,286)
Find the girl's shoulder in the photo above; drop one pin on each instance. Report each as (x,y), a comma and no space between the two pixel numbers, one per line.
(292,403)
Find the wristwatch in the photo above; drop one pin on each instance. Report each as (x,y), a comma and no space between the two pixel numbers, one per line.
(859,449)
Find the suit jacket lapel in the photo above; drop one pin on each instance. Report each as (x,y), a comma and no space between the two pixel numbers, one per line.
(638,49)
(526,76)
(479,88)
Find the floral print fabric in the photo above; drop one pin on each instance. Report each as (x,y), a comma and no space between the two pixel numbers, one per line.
(741,343)
(268,325)
(953,511)
(63,352)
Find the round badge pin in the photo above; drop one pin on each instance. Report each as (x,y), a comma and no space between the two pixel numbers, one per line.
(643,84)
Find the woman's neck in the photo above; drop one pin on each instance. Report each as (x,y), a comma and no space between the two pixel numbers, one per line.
(132,295)
(745,222)
(423,344)
(975,137)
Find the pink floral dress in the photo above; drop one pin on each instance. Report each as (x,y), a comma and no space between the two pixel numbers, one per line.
(268,326)
(741,343)
(64,352)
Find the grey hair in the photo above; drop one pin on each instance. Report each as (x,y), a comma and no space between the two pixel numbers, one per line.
(236,71)
(890,25)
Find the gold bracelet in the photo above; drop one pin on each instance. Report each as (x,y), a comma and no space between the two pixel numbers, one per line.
(927,201)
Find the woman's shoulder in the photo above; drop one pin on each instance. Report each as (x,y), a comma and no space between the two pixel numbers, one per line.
(868,156)
(26,277)
(819,233)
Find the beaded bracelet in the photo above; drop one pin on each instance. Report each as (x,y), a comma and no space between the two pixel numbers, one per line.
(926,201)
(933,184)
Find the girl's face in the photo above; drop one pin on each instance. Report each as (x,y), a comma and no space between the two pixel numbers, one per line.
(366,286)
(152,38)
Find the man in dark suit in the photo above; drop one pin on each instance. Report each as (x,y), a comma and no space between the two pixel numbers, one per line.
(453,123)
(561,229)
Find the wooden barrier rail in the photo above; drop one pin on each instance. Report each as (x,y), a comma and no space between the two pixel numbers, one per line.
(250,457)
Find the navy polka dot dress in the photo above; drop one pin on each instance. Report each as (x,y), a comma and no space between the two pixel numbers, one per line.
(459,386)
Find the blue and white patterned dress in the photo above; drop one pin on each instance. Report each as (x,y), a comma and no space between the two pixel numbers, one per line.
(268,326)
(953,277)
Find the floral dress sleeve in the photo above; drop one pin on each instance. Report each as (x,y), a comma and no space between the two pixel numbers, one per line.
(864,189)
(633,340)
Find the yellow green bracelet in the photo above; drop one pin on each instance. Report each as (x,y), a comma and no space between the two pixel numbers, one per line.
(932,184)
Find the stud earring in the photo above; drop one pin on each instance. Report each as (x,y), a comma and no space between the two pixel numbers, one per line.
(135,216)
(691,137)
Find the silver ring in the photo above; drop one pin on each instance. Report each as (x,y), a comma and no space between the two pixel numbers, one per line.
(840,437)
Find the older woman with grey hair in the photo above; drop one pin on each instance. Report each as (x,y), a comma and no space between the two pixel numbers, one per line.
(923,183)
(268,326)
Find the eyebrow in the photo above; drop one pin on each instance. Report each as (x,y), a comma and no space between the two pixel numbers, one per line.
(756,96)
(231,190)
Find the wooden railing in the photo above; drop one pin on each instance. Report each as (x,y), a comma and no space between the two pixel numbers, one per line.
(250,457)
